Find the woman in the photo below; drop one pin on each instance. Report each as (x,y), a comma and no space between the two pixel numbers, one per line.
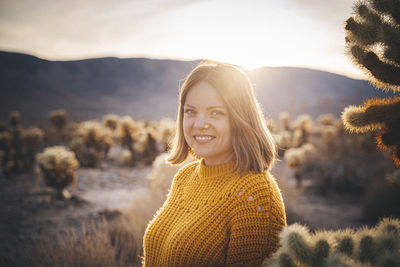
(226,208)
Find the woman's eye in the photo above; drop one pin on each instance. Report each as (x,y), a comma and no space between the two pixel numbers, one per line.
(189,111)
(216,113)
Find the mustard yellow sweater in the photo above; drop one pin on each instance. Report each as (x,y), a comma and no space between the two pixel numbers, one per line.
(214,217)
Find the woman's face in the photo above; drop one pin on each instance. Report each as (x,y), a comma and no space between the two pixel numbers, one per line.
(206,125)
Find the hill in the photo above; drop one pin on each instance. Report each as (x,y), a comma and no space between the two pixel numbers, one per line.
(148,88)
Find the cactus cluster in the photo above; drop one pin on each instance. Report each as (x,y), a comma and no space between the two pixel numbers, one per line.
(378,246)
(91,143)
(140,138)
(56,167)
(18,146)
(373,43)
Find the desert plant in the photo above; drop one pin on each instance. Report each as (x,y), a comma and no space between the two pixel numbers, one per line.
(284,121)
(58,118)
(91,142)
(378,246)
(15,119)
(295,158)
(303,126)
(56,167)
(33,141)
(111,121)
(128,134)
(373,43)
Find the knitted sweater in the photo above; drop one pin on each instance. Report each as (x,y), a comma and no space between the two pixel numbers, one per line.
(216,217)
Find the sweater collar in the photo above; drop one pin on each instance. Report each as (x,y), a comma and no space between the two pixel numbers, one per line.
(217,170)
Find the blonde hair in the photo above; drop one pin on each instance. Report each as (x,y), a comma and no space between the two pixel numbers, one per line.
(251,140)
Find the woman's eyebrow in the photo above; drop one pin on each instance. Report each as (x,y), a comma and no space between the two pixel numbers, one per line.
(211,107)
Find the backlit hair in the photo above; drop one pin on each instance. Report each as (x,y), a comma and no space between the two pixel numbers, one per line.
(251,140)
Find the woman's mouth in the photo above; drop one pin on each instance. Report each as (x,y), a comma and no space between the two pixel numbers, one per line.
(203,138)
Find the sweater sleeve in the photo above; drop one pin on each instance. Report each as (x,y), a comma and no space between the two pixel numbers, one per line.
(257,220)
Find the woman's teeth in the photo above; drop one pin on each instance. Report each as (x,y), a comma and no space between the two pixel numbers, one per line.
(203,138)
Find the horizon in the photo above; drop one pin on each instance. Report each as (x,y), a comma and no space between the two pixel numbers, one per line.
(349,75)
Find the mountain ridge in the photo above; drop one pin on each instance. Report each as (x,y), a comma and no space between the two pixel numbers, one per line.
(148,88)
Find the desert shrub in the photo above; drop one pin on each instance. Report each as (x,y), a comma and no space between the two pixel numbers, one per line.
(378,246)
(56,167)
(91,142)
(88,246)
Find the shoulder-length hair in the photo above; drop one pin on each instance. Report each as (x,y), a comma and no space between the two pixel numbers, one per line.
(251,140)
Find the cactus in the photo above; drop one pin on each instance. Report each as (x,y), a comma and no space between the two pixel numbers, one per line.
(58,118)
(15,119)
(295,158)
(373,44)
(111,121)
(128,136)
(91,143)
(303,128)
(284,121)
(56,167)
(378,246)
(33,140)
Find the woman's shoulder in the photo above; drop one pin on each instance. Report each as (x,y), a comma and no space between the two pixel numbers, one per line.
(187,168)
(258,184)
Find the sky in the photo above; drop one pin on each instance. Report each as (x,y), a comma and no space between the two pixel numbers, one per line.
(252,33)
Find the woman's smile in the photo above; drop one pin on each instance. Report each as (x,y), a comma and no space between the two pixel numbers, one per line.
(203,139)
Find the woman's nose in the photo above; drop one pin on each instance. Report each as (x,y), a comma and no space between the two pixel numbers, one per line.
(200,123)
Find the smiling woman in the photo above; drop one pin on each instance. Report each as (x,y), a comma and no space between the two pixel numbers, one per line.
(225,209)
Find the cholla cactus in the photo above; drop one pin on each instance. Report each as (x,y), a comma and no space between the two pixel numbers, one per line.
(283,141)
(284,121)
(303,126)
(15,119)
(295,158)
(3,126)
(374,45)
(91,143)
(327,119)
(33,140)
(58,118)
(111,121)
(128,134)
(56,167)
(379,246)
(165,131)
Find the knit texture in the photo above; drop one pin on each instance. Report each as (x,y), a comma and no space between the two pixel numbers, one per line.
(216,217)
